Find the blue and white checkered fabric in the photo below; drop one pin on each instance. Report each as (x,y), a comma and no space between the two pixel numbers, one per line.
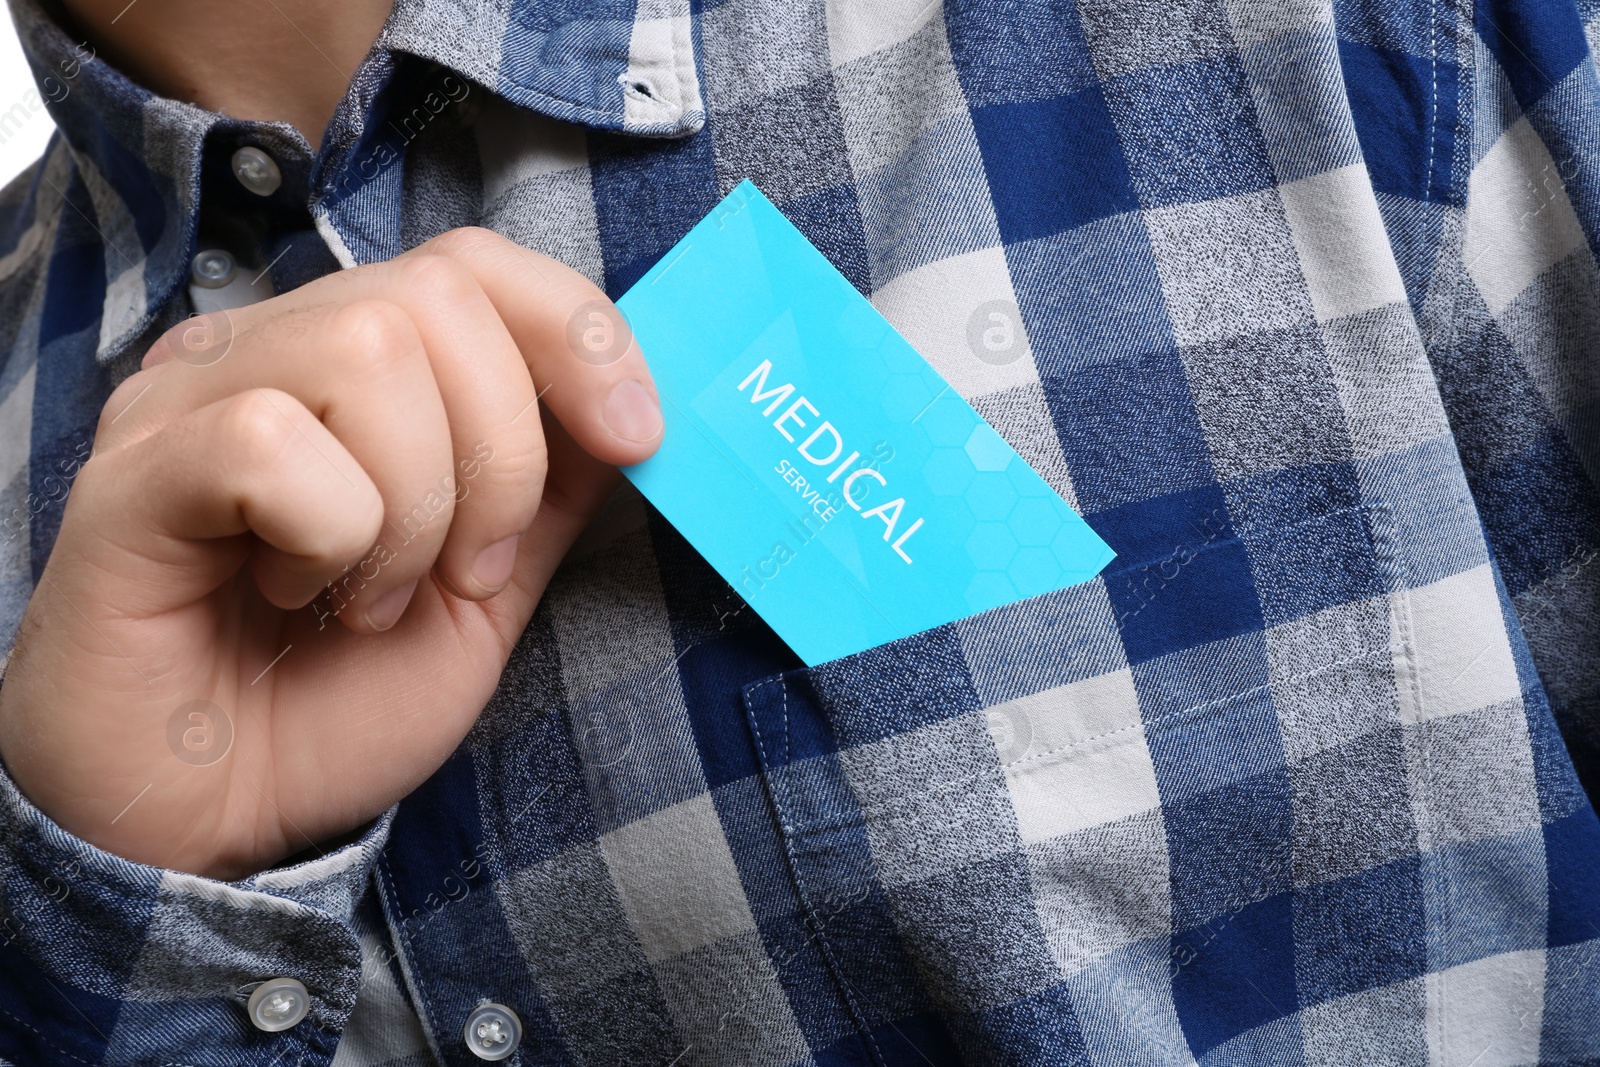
(1309,293)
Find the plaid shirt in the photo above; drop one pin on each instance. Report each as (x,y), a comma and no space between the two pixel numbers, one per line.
(1308,293)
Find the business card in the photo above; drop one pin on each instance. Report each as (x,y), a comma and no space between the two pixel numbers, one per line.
(821,465)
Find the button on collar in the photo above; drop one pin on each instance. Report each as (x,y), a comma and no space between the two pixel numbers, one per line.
(278,1004)
(256,171)
(493,1032)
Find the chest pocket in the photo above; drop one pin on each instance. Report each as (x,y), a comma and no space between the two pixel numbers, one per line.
(1005,834)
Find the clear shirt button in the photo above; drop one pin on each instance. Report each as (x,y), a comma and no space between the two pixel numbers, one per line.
(493,1032)
(277,1004)
(256,171)
(211,268)
(219,282)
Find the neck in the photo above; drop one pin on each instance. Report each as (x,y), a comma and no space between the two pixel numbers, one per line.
(263,60)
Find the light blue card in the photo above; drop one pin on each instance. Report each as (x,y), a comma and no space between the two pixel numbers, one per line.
(825,470)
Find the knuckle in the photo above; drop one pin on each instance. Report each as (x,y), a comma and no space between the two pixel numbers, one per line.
(94,485)
(514,482)
(351,531)
(372,334)
(342,535)
(467,240)
(529,466)
(487,252)
(436,278)
(426,517)
(171,339)
(256,429)
(119,400)
(341,538)
(256,425)
(571,290)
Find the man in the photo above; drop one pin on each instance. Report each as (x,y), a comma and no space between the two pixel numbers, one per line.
(316,755)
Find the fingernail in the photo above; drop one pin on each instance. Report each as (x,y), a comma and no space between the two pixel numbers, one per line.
(632,413)
(387,609)
(492,568)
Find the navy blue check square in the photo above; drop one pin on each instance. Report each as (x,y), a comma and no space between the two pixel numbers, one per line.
(1024,50)
(1181,578)
(1190,132)
(1037,150)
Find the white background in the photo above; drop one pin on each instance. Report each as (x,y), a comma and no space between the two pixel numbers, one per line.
(19,145)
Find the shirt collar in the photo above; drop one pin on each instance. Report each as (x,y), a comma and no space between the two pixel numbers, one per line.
(622,67)
(626,66)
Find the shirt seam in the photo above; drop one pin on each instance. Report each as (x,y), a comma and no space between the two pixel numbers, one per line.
(426,1012)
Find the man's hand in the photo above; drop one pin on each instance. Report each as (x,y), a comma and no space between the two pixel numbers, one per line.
(188,689)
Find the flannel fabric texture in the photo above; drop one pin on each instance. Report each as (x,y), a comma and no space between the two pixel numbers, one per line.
(1308,293)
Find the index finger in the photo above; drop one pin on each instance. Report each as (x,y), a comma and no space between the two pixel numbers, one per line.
(586,366)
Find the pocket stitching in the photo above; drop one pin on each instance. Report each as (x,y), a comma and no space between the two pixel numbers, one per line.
(1157,725)
(1161,721)
(1383,554)
(788,831)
